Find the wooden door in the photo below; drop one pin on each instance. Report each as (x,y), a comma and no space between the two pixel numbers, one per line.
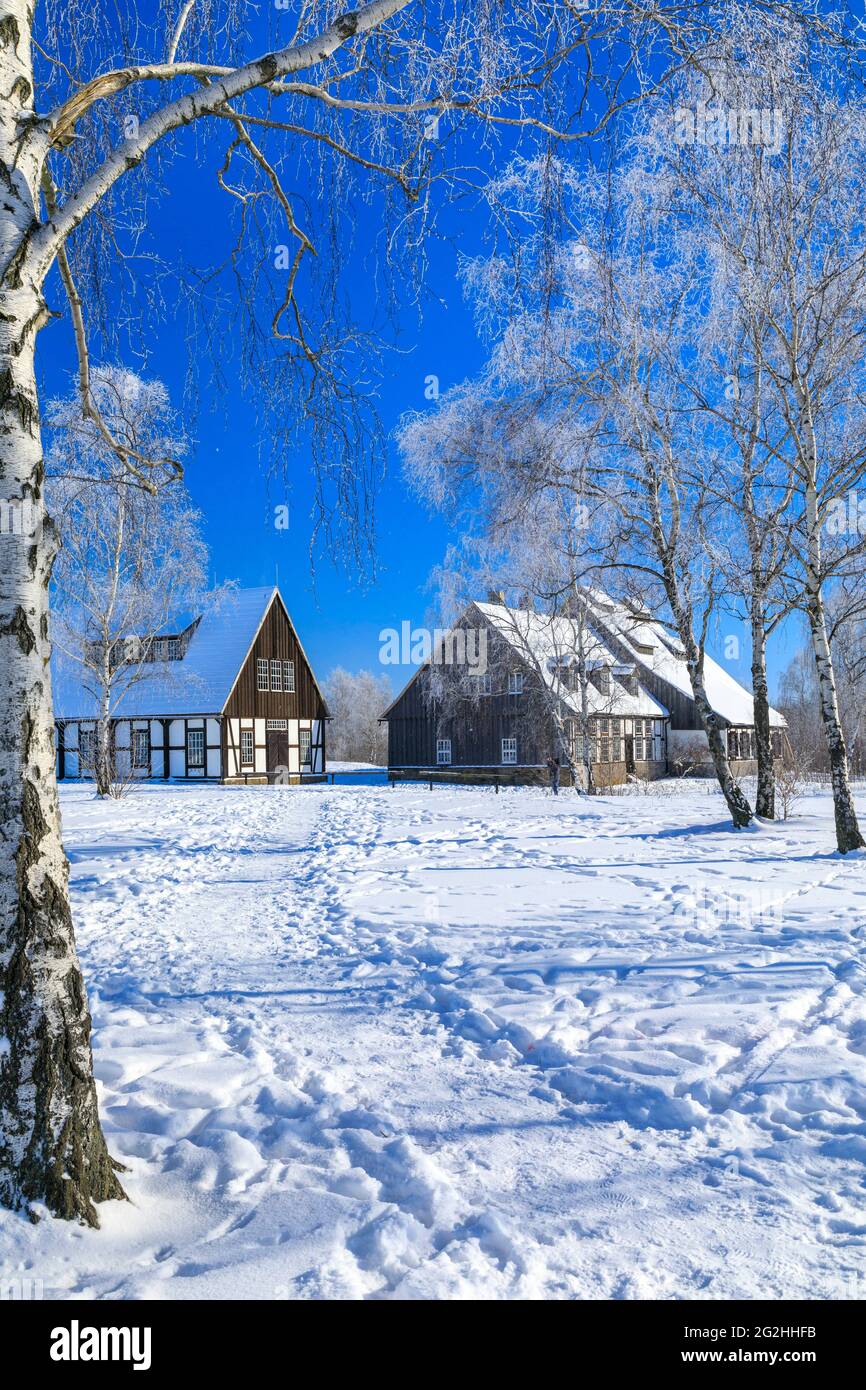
(277,751)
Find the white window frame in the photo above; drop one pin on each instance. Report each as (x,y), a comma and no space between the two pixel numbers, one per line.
(262,677)
(248,747)
(289,677)
(138,762)
(515,682)
(172,647)
(305,734)
(443,752)
(639,755)
(509,752)
(277,677)
(193,736)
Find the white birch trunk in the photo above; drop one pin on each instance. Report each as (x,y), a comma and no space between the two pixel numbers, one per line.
(51,1146)
(765,800)
(848,835)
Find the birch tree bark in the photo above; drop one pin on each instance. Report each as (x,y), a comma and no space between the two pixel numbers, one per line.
(52,1150)
(848,835)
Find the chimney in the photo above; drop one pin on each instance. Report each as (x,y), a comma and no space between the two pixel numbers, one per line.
(495,596)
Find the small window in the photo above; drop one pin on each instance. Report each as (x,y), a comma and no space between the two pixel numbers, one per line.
(277,676)
(515,682)
(443,751)
(173,648)
(616,742)
(483,684)
(304,746)
(195,747)
(247,748)
(262,674)
(86,748)
(161,650)
(639,754)
(141,748)
(509,750)
(776,739)
(289,677)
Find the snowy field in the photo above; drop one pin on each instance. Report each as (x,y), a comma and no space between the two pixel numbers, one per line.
(362,1042)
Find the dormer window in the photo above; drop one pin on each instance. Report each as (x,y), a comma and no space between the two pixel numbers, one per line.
(515,682)
(601,680)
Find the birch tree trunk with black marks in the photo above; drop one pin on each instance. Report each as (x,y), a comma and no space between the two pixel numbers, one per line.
(848,836)
(765,799)
(665,542)
(52,1150)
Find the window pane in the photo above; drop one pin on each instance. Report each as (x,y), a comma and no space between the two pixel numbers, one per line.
(195,747)
(141,748)
(289,676)
(443,750)
(276,675)
(261,674)
(304,744)
(247,748)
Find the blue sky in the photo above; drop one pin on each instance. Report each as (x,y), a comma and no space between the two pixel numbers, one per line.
(339,621)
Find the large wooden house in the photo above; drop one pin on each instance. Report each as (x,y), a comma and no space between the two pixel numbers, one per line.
(621,672)
(502,724)
(229,696)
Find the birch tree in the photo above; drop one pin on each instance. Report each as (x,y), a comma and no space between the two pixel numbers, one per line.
(770,185)
(130,564)
(583,395)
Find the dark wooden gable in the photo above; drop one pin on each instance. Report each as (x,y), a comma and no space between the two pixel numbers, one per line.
(476,730)
(276,641)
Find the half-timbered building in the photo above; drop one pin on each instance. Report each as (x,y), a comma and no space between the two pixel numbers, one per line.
(228,696)
(619,673)
(658,656)
(544,680)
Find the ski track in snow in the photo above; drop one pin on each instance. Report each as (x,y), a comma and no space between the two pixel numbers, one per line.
(372,1043)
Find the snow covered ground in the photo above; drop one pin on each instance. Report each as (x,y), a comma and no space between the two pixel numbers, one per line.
(371,1042)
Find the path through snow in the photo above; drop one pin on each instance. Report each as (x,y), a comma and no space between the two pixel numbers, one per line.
(362,1042)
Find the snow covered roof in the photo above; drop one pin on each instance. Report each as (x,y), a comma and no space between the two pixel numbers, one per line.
(658,651)
(550,644)
(199,683)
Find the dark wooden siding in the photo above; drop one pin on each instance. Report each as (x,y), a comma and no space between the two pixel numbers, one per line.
(476,736)
(276,641)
